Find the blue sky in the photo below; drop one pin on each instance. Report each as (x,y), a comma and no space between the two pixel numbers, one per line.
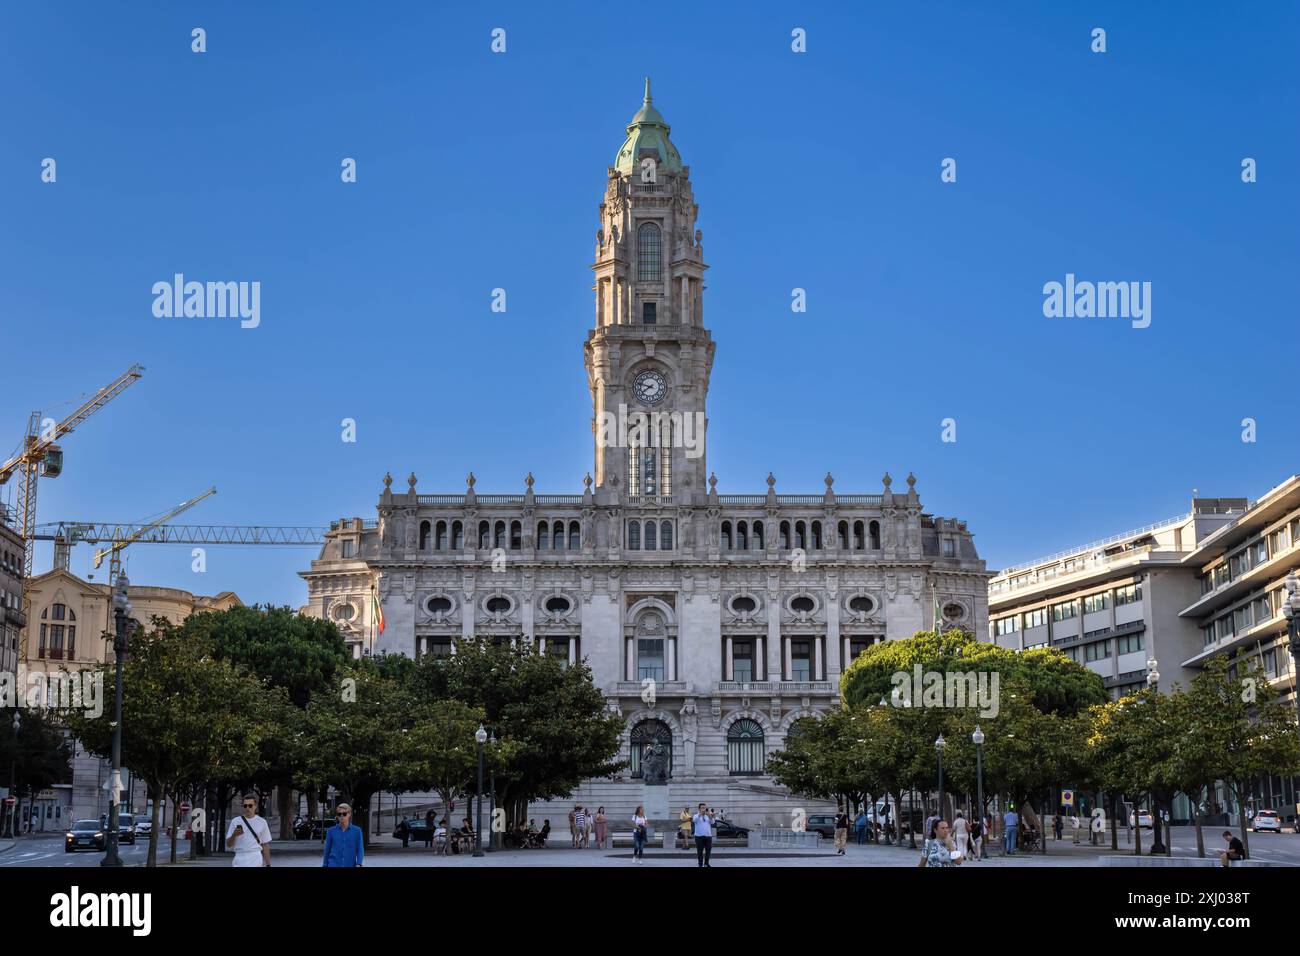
(817,170)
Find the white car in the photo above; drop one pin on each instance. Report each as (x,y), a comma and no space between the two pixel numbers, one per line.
(144,826)
(1143,819)
(1267,820)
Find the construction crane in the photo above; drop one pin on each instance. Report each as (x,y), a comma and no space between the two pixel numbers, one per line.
(67,534)
(41,456)
(123,537)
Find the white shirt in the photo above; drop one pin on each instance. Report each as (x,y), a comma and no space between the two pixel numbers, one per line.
(248,852)
(703,825)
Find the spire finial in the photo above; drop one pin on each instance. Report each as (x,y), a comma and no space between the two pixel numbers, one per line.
(648,98)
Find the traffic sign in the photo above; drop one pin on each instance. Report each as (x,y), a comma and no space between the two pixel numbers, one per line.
(10,801)
(1067,798)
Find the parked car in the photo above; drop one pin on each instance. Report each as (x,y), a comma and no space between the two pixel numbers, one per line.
(126,828)
(419,830)
(1143,819)
(1267,820)
(729,831)
(823,823)
(84,835)
(311,829)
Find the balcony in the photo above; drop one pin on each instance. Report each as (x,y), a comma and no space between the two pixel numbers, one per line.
(734,688)
(15,616)
(663,688)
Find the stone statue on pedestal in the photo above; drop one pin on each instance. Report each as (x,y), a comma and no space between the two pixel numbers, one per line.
(654,764)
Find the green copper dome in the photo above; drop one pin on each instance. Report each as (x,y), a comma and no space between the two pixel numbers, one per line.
(648,131)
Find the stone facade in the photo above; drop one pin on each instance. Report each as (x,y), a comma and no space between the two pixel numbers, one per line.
(710,621)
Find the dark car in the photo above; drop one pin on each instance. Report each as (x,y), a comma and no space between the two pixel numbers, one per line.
(84,835)
(311,829)
(126,828)
(823,823)
(729,831)
(416,827)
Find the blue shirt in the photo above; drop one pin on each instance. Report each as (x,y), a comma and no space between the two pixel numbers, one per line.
(1011,819)
(343,847)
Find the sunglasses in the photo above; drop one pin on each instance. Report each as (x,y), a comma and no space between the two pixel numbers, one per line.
(342,814)
(250,806)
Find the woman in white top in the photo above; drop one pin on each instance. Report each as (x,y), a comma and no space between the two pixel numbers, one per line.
(640,827)
(960,833)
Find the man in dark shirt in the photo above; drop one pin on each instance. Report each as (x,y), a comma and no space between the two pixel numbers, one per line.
(1235,851)
(841,831)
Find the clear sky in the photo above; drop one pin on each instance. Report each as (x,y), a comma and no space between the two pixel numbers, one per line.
(818,170)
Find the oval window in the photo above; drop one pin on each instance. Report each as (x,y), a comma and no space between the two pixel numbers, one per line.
(954,612)
(863,604)
(557,605)
(439,605)
(744,605)
(344,612)
(498,605)
(803,604)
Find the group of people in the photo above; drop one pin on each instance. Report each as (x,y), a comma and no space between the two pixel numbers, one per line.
(249,836)
(587,829)
(699,826)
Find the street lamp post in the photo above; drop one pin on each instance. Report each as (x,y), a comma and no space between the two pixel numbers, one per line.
(939,744)
(1157,844)
(480,737)
(121,612)
(978,739)
(1291,610)
(492,795)
(10,829)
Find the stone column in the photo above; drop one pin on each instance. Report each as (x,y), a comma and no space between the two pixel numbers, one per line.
(573,651)
(670,658)
(789,667)
(773,665)
(728,673)
(631,659)
(817,659)
(760,663)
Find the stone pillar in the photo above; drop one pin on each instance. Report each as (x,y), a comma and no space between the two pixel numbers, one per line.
(788,668)
(670,658)
(845,651)
(573,651)
(760,663)
(631,659)
(728,672)
(773,666)
(818,673)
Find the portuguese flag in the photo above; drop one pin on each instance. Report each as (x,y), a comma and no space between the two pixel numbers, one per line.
(376,610)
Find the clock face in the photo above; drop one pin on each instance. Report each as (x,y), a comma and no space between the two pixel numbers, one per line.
(650,388)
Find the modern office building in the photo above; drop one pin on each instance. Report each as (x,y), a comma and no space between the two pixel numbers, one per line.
(1114,604)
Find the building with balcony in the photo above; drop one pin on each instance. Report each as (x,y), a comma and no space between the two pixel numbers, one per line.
(712,622)
(69,620)
(1236,609)
(1114,604)
(12,621)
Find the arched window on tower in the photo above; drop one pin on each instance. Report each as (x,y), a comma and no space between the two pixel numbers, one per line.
(799,539)
(457,536)
(857,536)
(424,536)
(665,535)
(817,535)
(649,243)
(484,535)
(843,535)
(499,535)
(875,536)
(759,543)
(742,536)
(575,536)
(543,535)
(634,535)
(440,541)
(783,539)
(557,536)
(726,536)
(650,536)
(516,536)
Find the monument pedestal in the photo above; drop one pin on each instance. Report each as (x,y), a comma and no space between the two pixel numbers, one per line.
(656,805)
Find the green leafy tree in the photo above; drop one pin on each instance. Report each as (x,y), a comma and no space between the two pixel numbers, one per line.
(39,754)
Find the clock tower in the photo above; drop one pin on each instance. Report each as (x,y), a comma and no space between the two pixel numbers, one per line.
(649,356)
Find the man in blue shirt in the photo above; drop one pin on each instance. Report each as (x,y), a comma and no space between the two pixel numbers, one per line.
(1010,823)
(343,843)
(703,826)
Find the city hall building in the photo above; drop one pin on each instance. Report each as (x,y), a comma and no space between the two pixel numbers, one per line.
(738,611)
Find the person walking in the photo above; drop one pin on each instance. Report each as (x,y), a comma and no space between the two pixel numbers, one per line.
(860,825)
(343,843)
(1057,826)
(702,827)
(841,831)
(1010,831)
(961,833)
(573,829)
(976,837)
(684,827)
(640,830)
(580,827)
(249,836)
(601,824)
(430,821)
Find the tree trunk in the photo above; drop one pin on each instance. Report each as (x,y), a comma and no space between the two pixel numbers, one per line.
(284,790)
(1241,811)
(1114,827)
(1137,830)
(1196,818)
(176,826)
(153,791)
